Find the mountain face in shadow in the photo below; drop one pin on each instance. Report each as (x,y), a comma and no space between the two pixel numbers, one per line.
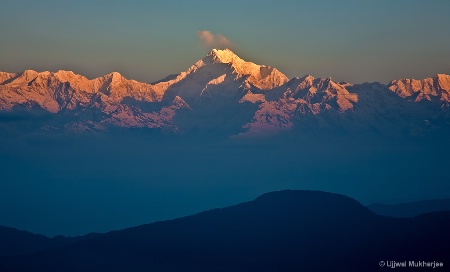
(279,231)
(411,209)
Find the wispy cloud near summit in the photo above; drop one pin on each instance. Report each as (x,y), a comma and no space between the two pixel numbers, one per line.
(210,40)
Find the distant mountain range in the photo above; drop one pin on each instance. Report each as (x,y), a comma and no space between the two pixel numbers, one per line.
(18,242)
(224,93)
(411,209)
(279,231)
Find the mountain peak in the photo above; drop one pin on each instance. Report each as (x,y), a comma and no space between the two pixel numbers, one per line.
(437,86)
(442,82)
(178,102)
(29,74)
(114,75)
(64,75)
(261,76)
(64,72)
(223,56)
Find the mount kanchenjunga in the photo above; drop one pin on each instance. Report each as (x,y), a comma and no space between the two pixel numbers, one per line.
(222,74)
(224,92)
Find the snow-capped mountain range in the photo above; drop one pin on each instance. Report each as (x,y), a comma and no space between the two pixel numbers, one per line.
(225,93)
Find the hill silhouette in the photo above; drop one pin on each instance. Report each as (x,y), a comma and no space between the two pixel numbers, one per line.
(278,231)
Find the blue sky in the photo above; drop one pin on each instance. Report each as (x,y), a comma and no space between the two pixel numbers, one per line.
(355,41)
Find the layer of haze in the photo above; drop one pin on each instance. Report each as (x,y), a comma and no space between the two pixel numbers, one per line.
(353,41)
(68,185)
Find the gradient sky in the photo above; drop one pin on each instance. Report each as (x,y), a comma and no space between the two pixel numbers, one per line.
(355,41)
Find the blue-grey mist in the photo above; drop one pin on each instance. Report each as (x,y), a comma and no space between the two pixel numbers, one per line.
(73,185)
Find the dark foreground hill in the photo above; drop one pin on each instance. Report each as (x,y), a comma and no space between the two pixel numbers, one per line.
(279,231)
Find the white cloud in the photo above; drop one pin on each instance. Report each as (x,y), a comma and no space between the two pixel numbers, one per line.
(211,40)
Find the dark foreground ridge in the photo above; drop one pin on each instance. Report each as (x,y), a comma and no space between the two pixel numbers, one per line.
(278,231)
